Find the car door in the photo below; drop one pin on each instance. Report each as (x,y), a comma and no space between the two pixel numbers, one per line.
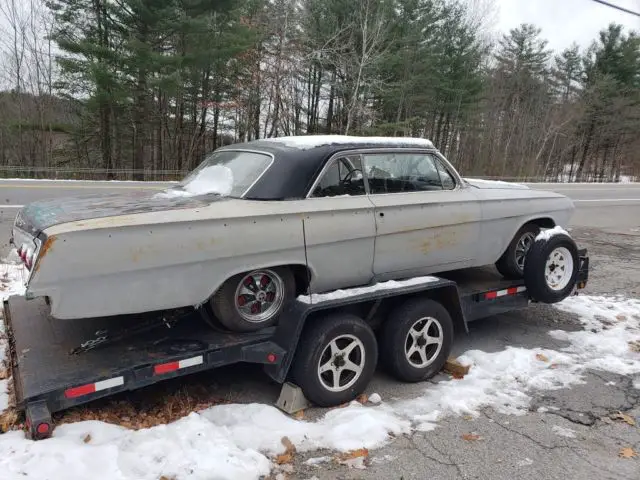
(340,227)
(426,220)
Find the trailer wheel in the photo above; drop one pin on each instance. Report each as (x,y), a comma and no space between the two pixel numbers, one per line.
(254,300)
(335,359)
(416,340)
(552,268)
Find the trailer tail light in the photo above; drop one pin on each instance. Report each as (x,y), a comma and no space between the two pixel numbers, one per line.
(271,358)
(43,428)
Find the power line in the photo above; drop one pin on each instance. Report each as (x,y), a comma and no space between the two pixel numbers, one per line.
(631,12)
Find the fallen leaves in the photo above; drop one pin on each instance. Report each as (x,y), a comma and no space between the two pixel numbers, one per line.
(634,346)
(623,417)
(290,450)
(453,367)
(299,415)
(627,452)
(144,409)
(471,437)
(87,438)
(363,398)
(8,420)
(354,458)
(542,357)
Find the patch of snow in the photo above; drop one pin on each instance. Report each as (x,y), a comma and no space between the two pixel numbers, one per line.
(611,323)
(316,461)
(306,142)
(483,183)
(636,383)
(216,179)
(261,427)
(375,398)
(542,409)
(546,234)
(610,383)
(499,380)
(563,431)
(525,463)
(352,292)
(222,442)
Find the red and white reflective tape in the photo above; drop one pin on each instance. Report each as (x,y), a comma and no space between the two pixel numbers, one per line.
(506,291)
(93,387)
(173,366)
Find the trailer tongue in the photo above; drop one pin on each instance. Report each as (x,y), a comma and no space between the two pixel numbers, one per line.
(60,364)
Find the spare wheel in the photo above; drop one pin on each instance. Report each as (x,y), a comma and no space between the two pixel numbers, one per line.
(551,268)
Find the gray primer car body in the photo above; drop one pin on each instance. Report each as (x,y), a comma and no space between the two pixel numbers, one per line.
(105,255)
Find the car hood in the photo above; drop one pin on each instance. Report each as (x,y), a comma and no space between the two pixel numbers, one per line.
(479,183)
(37,216)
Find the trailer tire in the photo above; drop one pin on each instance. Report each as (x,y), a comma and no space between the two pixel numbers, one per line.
(323,346)
(403,353)
(552,267)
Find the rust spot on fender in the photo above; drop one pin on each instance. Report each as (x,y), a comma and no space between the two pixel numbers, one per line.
(44,250)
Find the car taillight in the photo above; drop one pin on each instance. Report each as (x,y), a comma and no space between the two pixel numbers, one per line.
(28,258)
(26,255)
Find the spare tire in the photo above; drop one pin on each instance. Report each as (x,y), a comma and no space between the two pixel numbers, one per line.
(551,268)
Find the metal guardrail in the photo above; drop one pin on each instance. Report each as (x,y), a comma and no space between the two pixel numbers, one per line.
(55,173)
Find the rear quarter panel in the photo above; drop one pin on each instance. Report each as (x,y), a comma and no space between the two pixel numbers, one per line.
(505,211)
(162,260)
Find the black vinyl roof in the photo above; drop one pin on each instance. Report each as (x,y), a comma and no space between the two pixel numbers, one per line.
(295,168)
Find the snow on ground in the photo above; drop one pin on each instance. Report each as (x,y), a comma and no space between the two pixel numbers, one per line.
(239,441)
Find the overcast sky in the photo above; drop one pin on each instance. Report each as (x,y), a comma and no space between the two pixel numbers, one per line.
(565,21)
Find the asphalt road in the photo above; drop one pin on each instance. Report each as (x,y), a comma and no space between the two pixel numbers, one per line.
(607,222)
(613,207)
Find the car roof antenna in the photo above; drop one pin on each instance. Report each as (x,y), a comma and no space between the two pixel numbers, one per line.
(306,262)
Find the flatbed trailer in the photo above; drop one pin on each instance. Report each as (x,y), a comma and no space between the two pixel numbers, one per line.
(51,374)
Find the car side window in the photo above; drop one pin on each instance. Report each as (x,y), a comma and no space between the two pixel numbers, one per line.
(448,183)
(342,177)
(402,172)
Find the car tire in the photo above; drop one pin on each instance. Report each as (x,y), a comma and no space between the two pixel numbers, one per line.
(511,263)
(552,267)
(234,302)
(324,341)
(404,329)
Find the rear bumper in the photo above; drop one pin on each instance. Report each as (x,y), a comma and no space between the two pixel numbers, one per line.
(583,271)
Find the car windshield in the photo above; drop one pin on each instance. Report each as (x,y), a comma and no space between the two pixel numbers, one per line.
(227,173)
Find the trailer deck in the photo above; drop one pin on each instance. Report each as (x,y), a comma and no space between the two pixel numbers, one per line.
(48,377)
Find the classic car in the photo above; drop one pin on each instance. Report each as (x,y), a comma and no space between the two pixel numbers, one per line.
(258,223)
